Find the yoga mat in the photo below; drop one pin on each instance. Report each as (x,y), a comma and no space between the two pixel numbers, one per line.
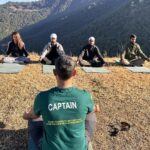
(139,69)
(7,68)
(95,70)
(48,68)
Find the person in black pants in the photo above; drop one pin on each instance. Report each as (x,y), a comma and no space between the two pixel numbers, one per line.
(52,51)
(91,55)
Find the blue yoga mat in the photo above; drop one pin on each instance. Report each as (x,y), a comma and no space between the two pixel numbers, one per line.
(10,68)
(48,68)
(139,69)
(95,70)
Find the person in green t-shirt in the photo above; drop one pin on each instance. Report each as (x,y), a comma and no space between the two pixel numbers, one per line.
(132,54)
(68,112)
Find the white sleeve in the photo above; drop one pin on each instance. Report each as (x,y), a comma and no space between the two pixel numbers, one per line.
(45,52)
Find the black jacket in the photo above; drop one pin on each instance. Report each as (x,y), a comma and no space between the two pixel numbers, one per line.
(90,52)
(14,51)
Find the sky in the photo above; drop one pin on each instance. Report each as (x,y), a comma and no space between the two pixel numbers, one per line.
(4,1)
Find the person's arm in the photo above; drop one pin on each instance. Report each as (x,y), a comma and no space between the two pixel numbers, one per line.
(25,51)
(90,125)
(90,122)
(123,54)
(80,58)
(60,50)
(99,55)
(141,53)
(35,111)
(30,115)
(8,52)
(46,50)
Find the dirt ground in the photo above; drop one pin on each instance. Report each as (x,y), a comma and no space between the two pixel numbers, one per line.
(123,96)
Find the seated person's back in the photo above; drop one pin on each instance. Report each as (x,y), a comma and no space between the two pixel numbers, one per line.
(64,110)
(64,120)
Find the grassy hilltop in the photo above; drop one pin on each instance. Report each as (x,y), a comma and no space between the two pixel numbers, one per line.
(122,95)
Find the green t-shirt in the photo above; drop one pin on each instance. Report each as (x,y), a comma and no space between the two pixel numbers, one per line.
(64,112)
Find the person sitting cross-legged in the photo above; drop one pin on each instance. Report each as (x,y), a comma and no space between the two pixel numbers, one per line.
(132,54)
(68,112)
(52,51)
(91,55)
(16,52)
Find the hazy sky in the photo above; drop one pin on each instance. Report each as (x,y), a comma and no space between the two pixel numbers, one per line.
(4,1)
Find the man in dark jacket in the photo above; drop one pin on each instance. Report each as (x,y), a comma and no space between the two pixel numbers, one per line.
(52,51)
(132,54)
(91,55)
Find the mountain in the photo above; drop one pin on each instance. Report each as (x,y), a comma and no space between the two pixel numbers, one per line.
(113,31)
(17,15)
(110,21)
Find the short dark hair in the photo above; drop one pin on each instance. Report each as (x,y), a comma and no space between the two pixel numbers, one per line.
(65,66)
(14,33)
(133,36)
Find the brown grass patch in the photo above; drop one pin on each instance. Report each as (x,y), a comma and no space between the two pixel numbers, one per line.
(122,95)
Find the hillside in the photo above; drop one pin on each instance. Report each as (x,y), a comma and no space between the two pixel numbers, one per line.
(110,21)
(17,15)
(123,97)
(113,31)
(74,17)
(68,25)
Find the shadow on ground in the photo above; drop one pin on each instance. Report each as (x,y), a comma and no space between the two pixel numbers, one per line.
(12,139)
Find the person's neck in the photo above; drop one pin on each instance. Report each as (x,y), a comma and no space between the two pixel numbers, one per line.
(91,45)
(64,84)
(132,43)
(15,42)
(53,43)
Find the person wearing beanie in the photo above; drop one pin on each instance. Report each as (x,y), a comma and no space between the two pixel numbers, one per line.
(52,51)
(90,55)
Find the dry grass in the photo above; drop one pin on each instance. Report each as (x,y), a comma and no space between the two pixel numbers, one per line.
(122,95)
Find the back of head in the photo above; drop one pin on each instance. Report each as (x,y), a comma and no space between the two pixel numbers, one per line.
(65,67)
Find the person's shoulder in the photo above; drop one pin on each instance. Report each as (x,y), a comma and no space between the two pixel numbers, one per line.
(96,47)
(81,91)
(48,44)
(10,43)
(137,45)
(45,92)
(58,44)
